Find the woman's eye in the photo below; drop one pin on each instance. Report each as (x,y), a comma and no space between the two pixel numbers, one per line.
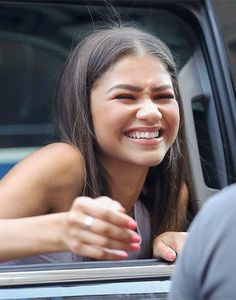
(125,97)
(164,96)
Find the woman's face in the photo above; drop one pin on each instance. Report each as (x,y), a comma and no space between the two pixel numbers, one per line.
(134,111)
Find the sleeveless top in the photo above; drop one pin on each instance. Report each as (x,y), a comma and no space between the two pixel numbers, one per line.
(141,216)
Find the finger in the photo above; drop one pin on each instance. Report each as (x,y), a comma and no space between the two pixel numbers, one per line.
(180,241)
(110,203)
(93,239)
(76,223)
(105,234)
(164,251)
(100,253)
(114,232)
(104,201)
(99,210)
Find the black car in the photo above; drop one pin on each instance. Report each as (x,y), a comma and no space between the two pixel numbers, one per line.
(35,37)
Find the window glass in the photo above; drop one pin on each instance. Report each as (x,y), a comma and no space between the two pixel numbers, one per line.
(153,290)
(41,36)
(225,11)
(27,81)
(34,43)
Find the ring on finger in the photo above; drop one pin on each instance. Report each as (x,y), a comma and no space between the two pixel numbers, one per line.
(88,222)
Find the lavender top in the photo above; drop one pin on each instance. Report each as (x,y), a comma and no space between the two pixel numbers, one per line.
(141,216)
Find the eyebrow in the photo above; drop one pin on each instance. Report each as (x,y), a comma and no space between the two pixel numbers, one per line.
(139,89)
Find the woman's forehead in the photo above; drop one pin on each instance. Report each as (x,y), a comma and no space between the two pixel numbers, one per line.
(133,58)
(134,67)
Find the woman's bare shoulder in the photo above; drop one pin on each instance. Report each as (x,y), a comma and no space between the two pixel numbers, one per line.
(66,174)
(62,163)
(64,154)
(53,159)
(50,177)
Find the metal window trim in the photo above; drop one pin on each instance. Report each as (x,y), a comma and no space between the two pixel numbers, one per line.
(223,87)
(46,276)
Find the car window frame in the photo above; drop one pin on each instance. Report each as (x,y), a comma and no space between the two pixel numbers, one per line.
(27,276)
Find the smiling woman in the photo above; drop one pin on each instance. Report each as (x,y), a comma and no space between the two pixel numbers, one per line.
(136,121)
(91,195)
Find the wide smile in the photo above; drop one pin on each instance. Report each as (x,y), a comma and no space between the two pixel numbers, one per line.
(143,136)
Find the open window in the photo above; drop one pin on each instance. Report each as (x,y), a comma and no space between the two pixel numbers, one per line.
(42,35)
(34,41)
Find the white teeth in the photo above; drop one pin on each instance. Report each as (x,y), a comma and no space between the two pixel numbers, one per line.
(143,134)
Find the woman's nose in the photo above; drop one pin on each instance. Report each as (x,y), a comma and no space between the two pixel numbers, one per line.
(149,111)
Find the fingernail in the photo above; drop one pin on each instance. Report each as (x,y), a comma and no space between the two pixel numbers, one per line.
(123,255)
(171,256)
(132,225)
(135,239)
(135,246)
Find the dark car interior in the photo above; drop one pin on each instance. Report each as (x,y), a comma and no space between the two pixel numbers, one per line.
(35,39)
(42,35)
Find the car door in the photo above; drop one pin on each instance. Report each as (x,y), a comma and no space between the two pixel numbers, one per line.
(35,37)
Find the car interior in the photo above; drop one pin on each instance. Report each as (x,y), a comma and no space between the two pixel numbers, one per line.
(34,42)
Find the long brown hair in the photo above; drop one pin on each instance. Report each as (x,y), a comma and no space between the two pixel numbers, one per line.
(86,64)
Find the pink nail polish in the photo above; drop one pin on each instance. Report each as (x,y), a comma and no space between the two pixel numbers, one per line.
(132,225)
(135,239)
(135,246)
(170,256)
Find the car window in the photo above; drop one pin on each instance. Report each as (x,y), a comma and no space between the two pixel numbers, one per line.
(34,42)
(225,12)
(42,35)
(88,280)
(154,289)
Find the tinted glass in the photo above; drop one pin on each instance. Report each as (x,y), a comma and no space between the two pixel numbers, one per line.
(34,42)
(152,289)
(225,11)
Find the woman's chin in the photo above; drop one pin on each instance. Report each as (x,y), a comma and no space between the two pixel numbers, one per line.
(151,162)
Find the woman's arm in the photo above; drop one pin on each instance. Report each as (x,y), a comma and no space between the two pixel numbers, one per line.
(30,236)
(46,181)
(169,244)
(111,234)
(39,214)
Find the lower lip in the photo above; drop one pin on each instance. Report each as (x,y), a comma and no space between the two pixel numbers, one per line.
(147,142)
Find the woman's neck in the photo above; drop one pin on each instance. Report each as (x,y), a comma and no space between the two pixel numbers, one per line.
(126,182)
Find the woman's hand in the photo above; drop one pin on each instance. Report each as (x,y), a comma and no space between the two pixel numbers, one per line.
(100,229)
(169,244)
